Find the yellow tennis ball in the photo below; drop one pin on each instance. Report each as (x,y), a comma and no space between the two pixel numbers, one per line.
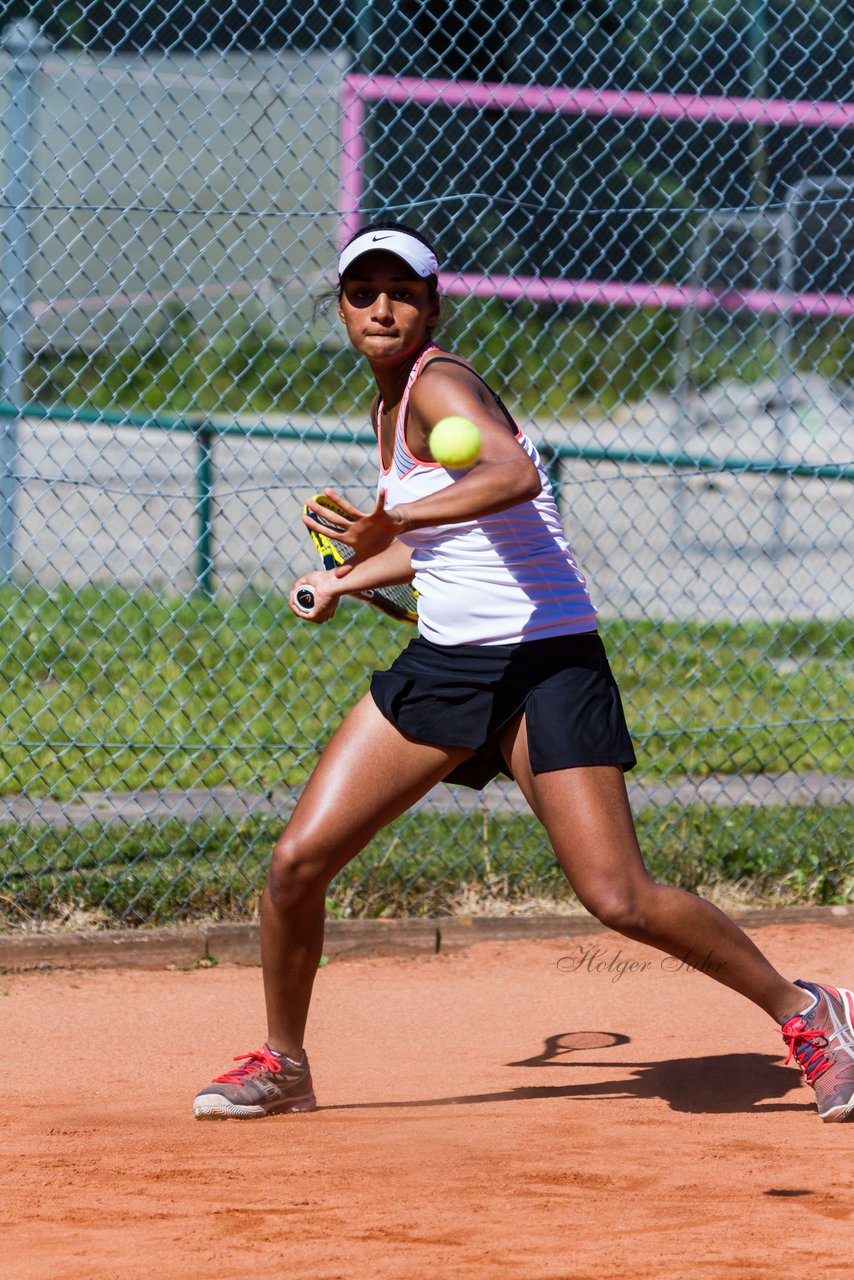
(455,442)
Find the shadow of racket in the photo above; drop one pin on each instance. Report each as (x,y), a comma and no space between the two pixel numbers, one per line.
(569,1042)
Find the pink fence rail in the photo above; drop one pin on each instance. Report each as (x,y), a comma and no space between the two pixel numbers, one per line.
(359,90)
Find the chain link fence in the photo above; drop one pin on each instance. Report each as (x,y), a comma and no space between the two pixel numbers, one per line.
(646,216)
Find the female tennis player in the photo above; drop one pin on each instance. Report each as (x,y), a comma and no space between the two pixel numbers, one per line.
(507,674)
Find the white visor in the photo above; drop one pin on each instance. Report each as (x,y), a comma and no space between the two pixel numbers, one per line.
(415,254)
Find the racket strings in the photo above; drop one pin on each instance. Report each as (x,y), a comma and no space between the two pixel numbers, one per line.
(403,595)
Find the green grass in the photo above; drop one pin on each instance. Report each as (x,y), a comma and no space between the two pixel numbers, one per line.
(112,690)
(119,690)
(547,360)
(157,874)
(737,698)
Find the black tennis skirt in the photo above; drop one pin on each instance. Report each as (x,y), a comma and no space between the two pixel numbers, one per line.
(466,695)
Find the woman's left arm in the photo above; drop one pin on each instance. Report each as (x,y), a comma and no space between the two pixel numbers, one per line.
(502,476)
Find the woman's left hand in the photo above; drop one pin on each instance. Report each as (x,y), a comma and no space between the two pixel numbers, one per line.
(367,534)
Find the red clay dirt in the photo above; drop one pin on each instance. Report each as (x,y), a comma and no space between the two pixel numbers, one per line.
(490,1113)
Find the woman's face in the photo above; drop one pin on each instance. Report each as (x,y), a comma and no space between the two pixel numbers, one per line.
(387,310)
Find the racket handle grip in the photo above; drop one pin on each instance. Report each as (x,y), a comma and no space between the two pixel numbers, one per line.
(305,598)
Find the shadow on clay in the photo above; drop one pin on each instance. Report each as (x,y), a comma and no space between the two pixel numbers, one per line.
(715,1084)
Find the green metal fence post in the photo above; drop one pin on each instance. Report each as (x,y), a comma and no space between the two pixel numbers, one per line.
(551,458)
(204,434)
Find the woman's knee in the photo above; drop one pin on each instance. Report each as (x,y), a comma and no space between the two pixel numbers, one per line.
(625,909)
(296,872)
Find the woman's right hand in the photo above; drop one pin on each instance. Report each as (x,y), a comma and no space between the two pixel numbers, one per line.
(326,599)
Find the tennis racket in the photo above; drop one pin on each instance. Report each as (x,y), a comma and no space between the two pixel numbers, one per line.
(399,602)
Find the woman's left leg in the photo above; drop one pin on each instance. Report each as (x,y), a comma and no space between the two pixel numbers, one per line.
(589,822)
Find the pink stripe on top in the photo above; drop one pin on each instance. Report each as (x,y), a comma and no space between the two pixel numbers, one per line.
(402,459)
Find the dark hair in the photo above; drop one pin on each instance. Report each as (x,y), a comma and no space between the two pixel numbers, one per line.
(326,299)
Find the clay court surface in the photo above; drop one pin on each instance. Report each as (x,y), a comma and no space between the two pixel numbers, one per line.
(504,1111)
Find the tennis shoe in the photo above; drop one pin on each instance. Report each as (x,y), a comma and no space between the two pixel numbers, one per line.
(821,1040)
(263,1085)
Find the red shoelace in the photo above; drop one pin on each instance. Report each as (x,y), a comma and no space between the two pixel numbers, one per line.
(806,1046)
(254,1064)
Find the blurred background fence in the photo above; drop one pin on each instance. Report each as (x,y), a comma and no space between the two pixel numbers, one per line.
(646,217)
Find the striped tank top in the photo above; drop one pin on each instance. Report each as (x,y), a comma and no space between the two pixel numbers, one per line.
(502,579)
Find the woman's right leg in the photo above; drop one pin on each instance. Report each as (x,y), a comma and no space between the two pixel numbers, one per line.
(368,774)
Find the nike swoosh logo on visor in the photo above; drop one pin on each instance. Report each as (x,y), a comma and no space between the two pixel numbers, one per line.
(374,239)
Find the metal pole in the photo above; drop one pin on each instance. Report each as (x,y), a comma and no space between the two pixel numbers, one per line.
(757,42)
(784,346)
(25,45)
(363,62)
(204,472)
(362,33)
(684,426)
(550,456)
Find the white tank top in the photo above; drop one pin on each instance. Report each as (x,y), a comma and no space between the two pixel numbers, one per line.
(503,579)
